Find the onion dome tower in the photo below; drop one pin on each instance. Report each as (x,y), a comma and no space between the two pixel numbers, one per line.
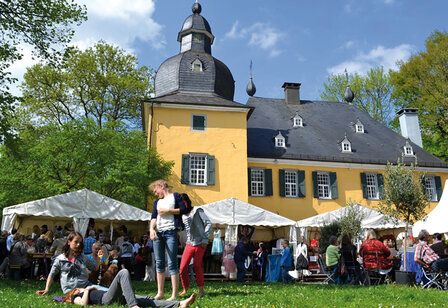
(194,69)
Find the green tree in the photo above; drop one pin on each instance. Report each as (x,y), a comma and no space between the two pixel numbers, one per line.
(55,159)
(103,83)
(404,196)
(350,222)
(43,24)
(373,93)
(422,82)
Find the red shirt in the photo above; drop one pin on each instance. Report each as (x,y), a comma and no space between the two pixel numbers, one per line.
(374,255)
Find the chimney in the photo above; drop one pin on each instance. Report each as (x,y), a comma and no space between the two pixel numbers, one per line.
(292,92)
(410,127)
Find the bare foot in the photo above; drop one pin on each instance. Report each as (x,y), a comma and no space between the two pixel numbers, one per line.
(158,297)
(172,298)
(183,293)
(188,301)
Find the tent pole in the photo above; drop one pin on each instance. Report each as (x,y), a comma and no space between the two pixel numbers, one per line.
(111,231)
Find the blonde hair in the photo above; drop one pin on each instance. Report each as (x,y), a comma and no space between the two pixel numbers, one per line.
(370,234)
(160,183)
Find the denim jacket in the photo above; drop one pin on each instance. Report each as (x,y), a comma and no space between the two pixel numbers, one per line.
(178,204)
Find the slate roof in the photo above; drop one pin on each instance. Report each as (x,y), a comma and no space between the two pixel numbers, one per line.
(324,126)
(206,99)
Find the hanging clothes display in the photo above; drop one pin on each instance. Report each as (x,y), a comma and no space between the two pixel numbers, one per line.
(228,262)
(217,247)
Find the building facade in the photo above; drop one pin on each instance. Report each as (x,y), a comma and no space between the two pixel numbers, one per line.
(294,157)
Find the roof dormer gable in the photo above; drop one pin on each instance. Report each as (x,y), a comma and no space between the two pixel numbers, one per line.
(280,141)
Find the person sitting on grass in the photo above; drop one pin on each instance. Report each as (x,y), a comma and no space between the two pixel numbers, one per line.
(120,290)
(72,265)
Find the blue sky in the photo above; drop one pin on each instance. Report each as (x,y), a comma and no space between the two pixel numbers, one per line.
(287,40)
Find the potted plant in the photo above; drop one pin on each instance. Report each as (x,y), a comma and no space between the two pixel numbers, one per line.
(405,199)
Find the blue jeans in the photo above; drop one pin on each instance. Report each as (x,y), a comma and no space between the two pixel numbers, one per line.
(241,271)
(166,242)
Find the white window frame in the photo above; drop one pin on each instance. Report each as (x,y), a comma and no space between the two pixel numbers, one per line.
(291,184)
(195,176)
(192,122)
(359,128)
(257,187)
(280,142)
(197,63)
(373,192)
(349,147)
(408,151)
(297,121)
(323,188)
(430,188)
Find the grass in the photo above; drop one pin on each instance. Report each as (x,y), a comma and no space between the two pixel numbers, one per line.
(229,294)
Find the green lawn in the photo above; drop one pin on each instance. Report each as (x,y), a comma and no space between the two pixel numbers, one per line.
(222,294)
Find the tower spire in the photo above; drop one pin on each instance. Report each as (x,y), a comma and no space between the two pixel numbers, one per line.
(349,96)
(250,88)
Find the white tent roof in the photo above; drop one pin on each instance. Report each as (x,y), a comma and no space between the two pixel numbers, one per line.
(372,219)
(81,204)
(236,212)
(435,221)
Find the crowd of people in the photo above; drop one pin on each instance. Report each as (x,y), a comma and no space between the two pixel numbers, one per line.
(96,270)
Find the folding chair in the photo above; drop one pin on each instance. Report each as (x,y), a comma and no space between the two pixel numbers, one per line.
(329,275)
(434,279)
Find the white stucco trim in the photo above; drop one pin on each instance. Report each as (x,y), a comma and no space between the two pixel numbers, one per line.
(332,164)
(201,107)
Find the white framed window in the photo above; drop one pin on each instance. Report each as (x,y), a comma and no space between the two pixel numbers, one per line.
(280,141)
(359,128)
(297,121)
(196,66)
(198,122)
(372,186)
(346,147)
(430,188)
(323,185)
(198,169)
(291,185)
(408,151)
(257,182)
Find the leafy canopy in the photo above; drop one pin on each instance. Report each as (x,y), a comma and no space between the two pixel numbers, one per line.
(103,83)
(55,159)
(422,82)
(372,93)
(43,24)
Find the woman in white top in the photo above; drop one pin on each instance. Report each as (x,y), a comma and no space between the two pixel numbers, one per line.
(165,222)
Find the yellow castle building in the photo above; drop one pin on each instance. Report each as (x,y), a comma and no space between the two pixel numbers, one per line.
(294,157)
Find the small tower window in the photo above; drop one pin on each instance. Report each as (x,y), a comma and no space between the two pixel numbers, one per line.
(297,121)
(280,141)
(408,151)
(346,145)
(359,127)
(196,66)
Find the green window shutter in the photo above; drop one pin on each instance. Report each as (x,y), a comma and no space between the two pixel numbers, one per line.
(438,187)
(281,177)
(210,170)
(315,187)
(185,176)
(249,175)
(333,185)
(364,185)
(301,193)
(268,182)
(380,180)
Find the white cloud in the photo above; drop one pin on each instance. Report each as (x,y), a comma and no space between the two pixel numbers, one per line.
(379,56)
(261,35)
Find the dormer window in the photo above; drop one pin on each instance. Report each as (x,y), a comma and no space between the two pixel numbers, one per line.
(359,127)
(280,141)
(346,145)
(297,121)
(408,151)
(196,66)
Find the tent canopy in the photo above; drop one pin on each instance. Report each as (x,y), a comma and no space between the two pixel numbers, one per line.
(80,205)
(435,221)
(372,219)
(232,212)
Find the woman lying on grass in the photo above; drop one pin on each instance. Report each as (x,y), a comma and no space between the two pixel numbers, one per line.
(92,296)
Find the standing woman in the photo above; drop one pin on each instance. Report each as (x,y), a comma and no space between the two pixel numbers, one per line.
(165,222)
(197,228)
